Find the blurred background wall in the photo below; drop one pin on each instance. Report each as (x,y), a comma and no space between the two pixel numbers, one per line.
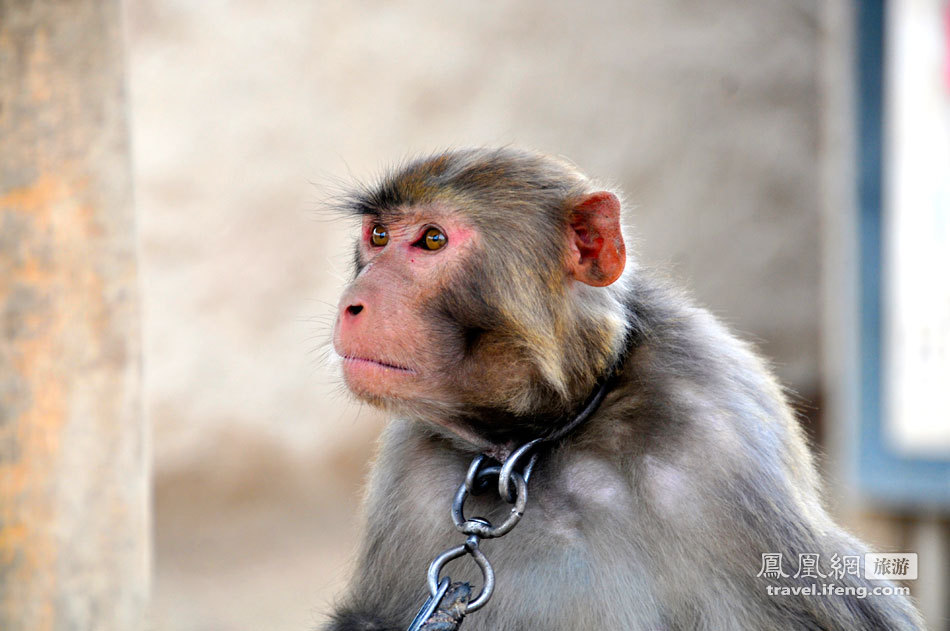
(248,115)
(718,119)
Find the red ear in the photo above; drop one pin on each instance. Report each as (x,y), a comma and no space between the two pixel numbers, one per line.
(596,253)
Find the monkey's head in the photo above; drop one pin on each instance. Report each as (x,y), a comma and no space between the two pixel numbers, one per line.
(485,295)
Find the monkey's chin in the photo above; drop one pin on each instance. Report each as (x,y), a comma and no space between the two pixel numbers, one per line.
(376,381)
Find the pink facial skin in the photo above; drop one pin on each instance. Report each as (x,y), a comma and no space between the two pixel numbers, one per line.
(386,345)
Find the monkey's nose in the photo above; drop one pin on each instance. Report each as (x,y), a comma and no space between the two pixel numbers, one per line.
(354,309)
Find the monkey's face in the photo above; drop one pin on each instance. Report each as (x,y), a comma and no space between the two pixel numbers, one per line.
(394,344)
(453,322)
(479,300)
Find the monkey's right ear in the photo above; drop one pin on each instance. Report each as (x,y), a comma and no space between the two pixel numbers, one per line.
(596,252)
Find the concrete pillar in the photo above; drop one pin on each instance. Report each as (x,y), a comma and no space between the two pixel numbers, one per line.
(74,533)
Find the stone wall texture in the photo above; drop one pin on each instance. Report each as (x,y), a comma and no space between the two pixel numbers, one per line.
(74,461)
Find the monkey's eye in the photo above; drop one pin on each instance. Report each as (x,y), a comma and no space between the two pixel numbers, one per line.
(434,239)
(380,236)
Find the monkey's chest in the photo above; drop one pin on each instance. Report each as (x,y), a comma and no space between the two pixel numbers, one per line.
(568,564)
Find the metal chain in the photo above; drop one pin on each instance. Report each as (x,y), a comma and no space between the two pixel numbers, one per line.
(447,603)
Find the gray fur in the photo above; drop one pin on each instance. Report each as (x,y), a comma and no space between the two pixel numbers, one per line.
(652,516)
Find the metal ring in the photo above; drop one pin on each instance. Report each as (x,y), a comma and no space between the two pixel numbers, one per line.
(528,468)
(507,469)
(488,574)
(476,525)
(472,473)
(482,527)
(435,568)
(479,482)
(475,483)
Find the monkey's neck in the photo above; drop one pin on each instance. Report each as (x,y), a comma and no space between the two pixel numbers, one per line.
(497,433)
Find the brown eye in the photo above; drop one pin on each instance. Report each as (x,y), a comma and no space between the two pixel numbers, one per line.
(434,239)
(380,236)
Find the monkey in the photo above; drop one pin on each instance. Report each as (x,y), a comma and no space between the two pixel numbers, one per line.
(492,292)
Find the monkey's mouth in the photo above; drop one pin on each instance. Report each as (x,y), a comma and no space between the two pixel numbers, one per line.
(351,360)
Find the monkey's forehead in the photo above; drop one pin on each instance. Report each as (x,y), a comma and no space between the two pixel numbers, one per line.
(404,199)
(472,180)
(417,213)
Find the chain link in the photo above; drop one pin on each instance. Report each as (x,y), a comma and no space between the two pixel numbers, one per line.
(447,603)
(512,487)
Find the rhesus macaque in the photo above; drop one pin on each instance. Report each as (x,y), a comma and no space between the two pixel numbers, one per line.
(492,292)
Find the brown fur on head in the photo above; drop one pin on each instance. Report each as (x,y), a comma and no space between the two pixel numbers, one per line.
(509,324)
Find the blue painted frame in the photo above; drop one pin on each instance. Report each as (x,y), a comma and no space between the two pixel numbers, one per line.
(884,476)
